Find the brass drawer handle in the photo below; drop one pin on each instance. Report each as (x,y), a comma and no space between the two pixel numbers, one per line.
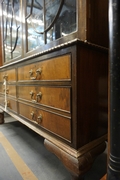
(31,93)
(31,72)
(7,91)
(32,96)
(38,72)
(39,119)
(39,96)
(32,114)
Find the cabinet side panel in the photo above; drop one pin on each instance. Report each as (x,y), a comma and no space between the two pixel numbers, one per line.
(92,94)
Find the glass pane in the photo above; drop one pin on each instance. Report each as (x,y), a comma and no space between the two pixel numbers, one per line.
(11,29)
(48,20)
(65,24)
(16,35)
(35,24)
(51,11)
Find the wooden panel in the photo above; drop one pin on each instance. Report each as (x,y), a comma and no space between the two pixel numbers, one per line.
(97,22)
(2,100)
(10,75)
(54,123)
(92,98)
(1,76)
(12,104)
(55,97)
(104,177)
(58,68)
(11,90)
(1,88)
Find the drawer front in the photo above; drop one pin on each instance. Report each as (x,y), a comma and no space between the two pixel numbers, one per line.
(53,69)
(12,104)
(10,90)
(9,75)
(55,97)
(52,122)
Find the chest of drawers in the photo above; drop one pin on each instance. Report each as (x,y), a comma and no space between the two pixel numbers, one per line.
(62,95)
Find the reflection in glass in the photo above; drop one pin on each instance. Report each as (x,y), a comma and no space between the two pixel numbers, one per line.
(48,20)
(35,24)
(11,28)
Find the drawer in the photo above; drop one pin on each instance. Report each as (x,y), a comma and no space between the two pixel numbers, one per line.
(12,104)
(58,68)
(9,75)
(56,124)
(55,97)
(10,90)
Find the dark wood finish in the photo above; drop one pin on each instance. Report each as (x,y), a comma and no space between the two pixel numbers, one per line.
(1,116)
(76,165)
(97,22)
(91,77)
(104,177)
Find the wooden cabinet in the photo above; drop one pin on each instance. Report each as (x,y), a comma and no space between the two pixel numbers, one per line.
(57,83)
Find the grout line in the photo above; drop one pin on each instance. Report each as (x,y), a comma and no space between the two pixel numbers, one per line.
(20,165)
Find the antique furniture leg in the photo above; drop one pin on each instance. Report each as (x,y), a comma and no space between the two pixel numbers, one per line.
(76,161)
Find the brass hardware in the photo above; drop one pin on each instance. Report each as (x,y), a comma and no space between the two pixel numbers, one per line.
(5,77)
(39,119)
(38,71)
(32,114)
(31,93)
(39,96)
(31,72)
(7,90)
